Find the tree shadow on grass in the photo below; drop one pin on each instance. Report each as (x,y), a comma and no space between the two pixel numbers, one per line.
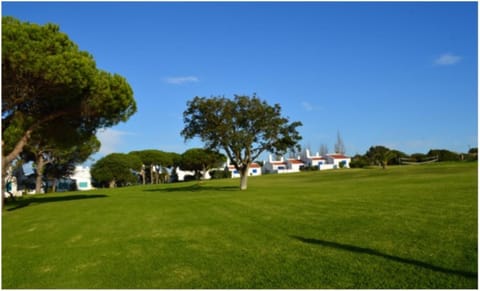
(194,188)
(373,252)
(18,204)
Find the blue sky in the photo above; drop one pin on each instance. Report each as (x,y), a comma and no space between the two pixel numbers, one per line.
(403,75)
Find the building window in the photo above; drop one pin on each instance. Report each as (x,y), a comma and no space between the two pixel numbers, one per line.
(83,185)
(254,171)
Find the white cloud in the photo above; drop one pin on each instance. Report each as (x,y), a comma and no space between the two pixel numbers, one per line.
(447,59)
(181,80)
(310,107)
(111,139)
(307,106)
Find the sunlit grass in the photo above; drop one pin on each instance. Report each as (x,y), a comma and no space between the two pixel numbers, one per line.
(406,227)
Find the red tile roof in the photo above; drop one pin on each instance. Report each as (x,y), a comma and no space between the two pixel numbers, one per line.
(252,165)
(295,161)
(277,163)
(338,156)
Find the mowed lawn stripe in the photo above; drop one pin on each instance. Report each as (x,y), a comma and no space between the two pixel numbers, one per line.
(404,227)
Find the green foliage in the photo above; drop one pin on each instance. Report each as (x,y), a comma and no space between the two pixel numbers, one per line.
(359,161)
(380,155)
(156,157)
(116,170)
(472,155)
(220,174)
(198,159)
(243,127)
(396,156)
(63,161)
(52,88)
(155,163)
(418,157)
(444,155)
(412,227)
(309,168)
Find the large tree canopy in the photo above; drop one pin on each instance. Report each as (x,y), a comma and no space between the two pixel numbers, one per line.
(380,155)
(243,127)
(51,87)
(62,161)
(200,160)
(155,161)
(116,169)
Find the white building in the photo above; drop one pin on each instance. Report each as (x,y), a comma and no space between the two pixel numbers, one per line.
(327,162)
(82,178)
(282,166)
(313,160)
(181,174)
(338,160)
(253,170)
(275,166)
(295,165)
(10,184)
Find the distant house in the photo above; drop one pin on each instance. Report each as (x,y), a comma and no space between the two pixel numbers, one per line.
(82,178)
(306,159)
(275,166)
(313,160)
(327,162)
(282,166)
(253,170)
(295,165)
(338,160)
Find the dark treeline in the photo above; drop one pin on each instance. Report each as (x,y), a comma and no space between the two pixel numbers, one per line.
(153,166)
(383,156)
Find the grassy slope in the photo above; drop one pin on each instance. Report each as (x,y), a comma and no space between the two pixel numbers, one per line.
(407,227)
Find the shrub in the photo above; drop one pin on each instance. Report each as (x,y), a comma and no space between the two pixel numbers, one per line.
(359,161)
(219,174)
(309,168)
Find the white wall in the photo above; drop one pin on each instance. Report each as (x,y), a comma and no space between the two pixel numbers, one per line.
(82,178)
(251,172)
(327,167)
(13,189)
(181,174)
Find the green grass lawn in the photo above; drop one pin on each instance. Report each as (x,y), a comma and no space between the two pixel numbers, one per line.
(404,227)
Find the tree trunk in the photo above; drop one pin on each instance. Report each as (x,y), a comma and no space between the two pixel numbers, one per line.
(243,177)
(143,174)
(151,174)
(384,164)
(4,176)
(39,177)
(6,160)
(54,185)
